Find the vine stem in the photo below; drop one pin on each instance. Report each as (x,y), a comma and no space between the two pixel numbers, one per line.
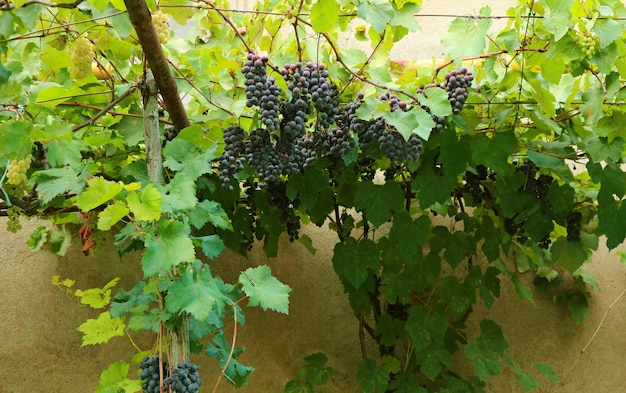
(4,175)
(232,347)
(595,333)
(106,109)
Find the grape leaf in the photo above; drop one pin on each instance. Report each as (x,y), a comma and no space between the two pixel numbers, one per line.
(221,349)
(211,245)
(436,99)
(111,215)
(97,297)
(493,152)
(145,205)
(98,191)
(209,212)
(433,361)
(352,260)
(547,371)
(265,290)
(101,329)
(166,248)
(415,121)
(56,181)
(179,194)
(378,201)
(60,241)
(196,293)
(377,13)
(324,15)
(115,379)
(570,255)
(410,235)
(466,36)
(485,364)
(371,378)
(425,328)
(558,17)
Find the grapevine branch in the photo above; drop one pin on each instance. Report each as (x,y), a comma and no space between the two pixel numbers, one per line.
(142,22)
(106,109)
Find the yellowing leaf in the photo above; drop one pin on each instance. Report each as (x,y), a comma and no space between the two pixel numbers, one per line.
(111,215)
(99,191)
(134,186)
(324,15)
(101,329)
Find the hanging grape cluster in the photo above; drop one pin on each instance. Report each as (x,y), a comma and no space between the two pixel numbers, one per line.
(13,223)
(588,42)
(150,374)
(82,56)
(231,160)
(162,26)
(16,171)
(305,123)
(185,378)
(456,84)
(573,226)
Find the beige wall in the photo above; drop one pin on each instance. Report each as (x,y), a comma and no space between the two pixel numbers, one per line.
(40,348)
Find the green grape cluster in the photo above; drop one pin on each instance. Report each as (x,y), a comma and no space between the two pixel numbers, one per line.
(588,42)
(82,57)
(13,224)
(16,172)
(162,26)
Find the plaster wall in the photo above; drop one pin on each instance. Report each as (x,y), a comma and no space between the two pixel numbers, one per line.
(40,348)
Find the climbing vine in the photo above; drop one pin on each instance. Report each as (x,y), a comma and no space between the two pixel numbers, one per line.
(440,179)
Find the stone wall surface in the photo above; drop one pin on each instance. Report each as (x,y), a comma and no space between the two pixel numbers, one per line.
(40,347)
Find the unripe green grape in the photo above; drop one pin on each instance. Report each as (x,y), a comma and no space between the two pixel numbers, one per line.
(16,172)
(82,55)
(162,25)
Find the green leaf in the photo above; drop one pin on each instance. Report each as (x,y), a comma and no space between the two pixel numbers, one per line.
(196,293)
(179,194)
(485,364)
(607,30)
(528,382)
(60,241)
(378,202)
(324,15)
(145,205)
(410,235)
(265,290)
(389,330)
(221,350)
(54,182)
(352,260)
(433,361)
(425,328)
(115,379)
(415,121)
(314,370)
(38,238)
(467,36)
(493,152)
(491,338)
(297,386)
(570,255)
(111,215)
(371,378)
(166,248)
(209,212)
(592,110)
(211,245)
(523,292)
(377,13)
(101,329)
(436,99)
(98,191)
(558,17)
(547,371)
